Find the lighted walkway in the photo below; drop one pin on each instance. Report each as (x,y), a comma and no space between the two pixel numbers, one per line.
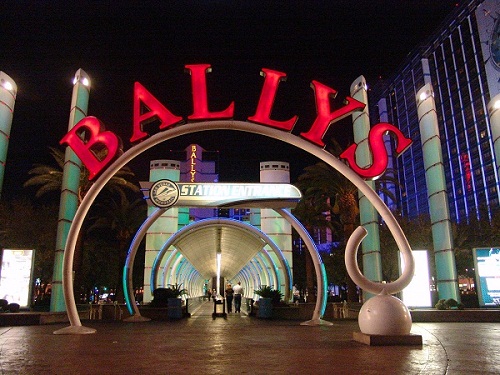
(245,345)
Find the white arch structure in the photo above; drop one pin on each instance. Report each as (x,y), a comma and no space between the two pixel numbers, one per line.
(129,263)
(167,274)
(169,270)
(227,223)
(390,288)
(320,305)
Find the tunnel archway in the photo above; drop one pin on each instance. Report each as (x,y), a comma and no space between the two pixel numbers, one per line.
(197,240)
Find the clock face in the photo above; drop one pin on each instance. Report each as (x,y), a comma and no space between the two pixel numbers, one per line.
(495,44)
(164,193)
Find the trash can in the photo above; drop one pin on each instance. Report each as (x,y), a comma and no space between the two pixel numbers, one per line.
(219,309)
(265,310)
(174,310)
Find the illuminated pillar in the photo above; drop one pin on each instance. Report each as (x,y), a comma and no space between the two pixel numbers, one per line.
(372,267)
(8,92)
(255,217)
(274,225)
(447,282)
(494,113)
(266,273)
(254,220)
(68,202)
(165,226)
(390,171)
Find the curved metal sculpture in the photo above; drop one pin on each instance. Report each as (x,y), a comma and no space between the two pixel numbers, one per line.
(75,323)
(382,314)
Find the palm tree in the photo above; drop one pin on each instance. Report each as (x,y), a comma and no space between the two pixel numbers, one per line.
(49,179)
(122,218)
(320,184)
(25,226)
(419,235)
(313,214)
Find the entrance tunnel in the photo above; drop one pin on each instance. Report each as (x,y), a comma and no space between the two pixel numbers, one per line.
(209,253)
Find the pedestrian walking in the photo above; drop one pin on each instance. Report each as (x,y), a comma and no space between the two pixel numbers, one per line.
(229,298)
(238,291)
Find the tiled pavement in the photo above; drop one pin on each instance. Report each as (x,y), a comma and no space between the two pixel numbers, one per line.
(245,345)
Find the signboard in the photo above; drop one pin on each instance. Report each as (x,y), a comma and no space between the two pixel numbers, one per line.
(487,265)
(15,276)
(326,117)
(418,292)
(166,193)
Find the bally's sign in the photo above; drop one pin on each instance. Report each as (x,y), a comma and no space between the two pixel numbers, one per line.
(89,134)
(166,193)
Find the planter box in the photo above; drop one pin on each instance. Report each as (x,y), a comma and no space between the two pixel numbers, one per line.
(265,310)
(174,308)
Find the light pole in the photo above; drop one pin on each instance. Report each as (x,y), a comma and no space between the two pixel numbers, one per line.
(372,264)
(69,189)
(447,282)
(8,93)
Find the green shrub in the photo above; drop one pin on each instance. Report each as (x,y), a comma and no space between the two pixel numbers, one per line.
(268,292)
(161,295)
(450,302)
(447,304)
(441,305)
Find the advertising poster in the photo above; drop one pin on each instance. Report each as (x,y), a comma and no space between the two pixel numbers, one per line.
(418,292)
(15,276)
(487,264)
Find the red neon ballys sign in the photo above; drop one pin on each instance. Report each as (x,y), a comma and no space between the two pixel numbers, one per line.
(96,136)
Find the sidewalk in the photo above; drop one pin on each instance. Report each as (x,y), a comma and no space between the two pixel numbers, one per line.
(244,345)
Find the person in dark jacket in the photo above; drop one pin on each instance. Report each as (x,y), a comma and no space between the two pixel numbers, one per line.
(229,298)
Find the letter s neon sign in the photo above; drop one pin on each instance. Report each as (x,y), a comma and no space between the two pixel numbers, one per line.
(379,152)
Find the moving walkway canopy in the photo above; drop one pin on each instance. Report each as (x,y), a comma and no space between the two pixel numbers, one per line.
(236,245)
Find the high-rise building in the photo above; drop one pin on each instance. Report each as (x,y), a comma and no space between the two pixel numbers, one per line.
(462,63)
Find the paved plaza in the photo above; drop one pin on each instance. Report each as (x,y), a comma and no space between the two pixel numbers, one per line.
(244,345)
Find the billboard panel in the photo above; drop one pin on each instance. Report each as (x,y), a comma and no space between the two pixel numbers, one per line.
(487,265)
(15,276)
(418,292)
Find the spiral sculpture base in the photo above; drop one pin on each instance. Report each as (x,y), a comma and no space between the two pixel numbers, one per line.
(384,314)
(385,320)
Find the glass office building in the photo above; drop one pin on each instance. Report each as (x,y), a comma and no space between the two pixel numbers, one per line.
(462,62)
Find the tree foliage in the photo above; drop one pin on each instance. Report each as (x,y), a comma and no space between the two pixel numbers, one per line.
(112,209)
(418,231)
(118,221)
(48,179)
(419,235)
(321,185)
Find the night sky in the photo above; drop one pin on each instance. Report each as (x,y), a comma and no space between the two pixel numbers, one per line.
(43,44)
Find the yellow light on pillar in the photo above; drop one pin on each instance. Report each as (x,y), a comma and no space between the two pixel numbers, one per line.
(7,85)
(218,260)
(80,77)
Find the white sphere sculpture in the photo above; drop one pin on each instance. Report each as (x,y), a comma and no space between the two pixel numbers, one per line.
(384,314)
